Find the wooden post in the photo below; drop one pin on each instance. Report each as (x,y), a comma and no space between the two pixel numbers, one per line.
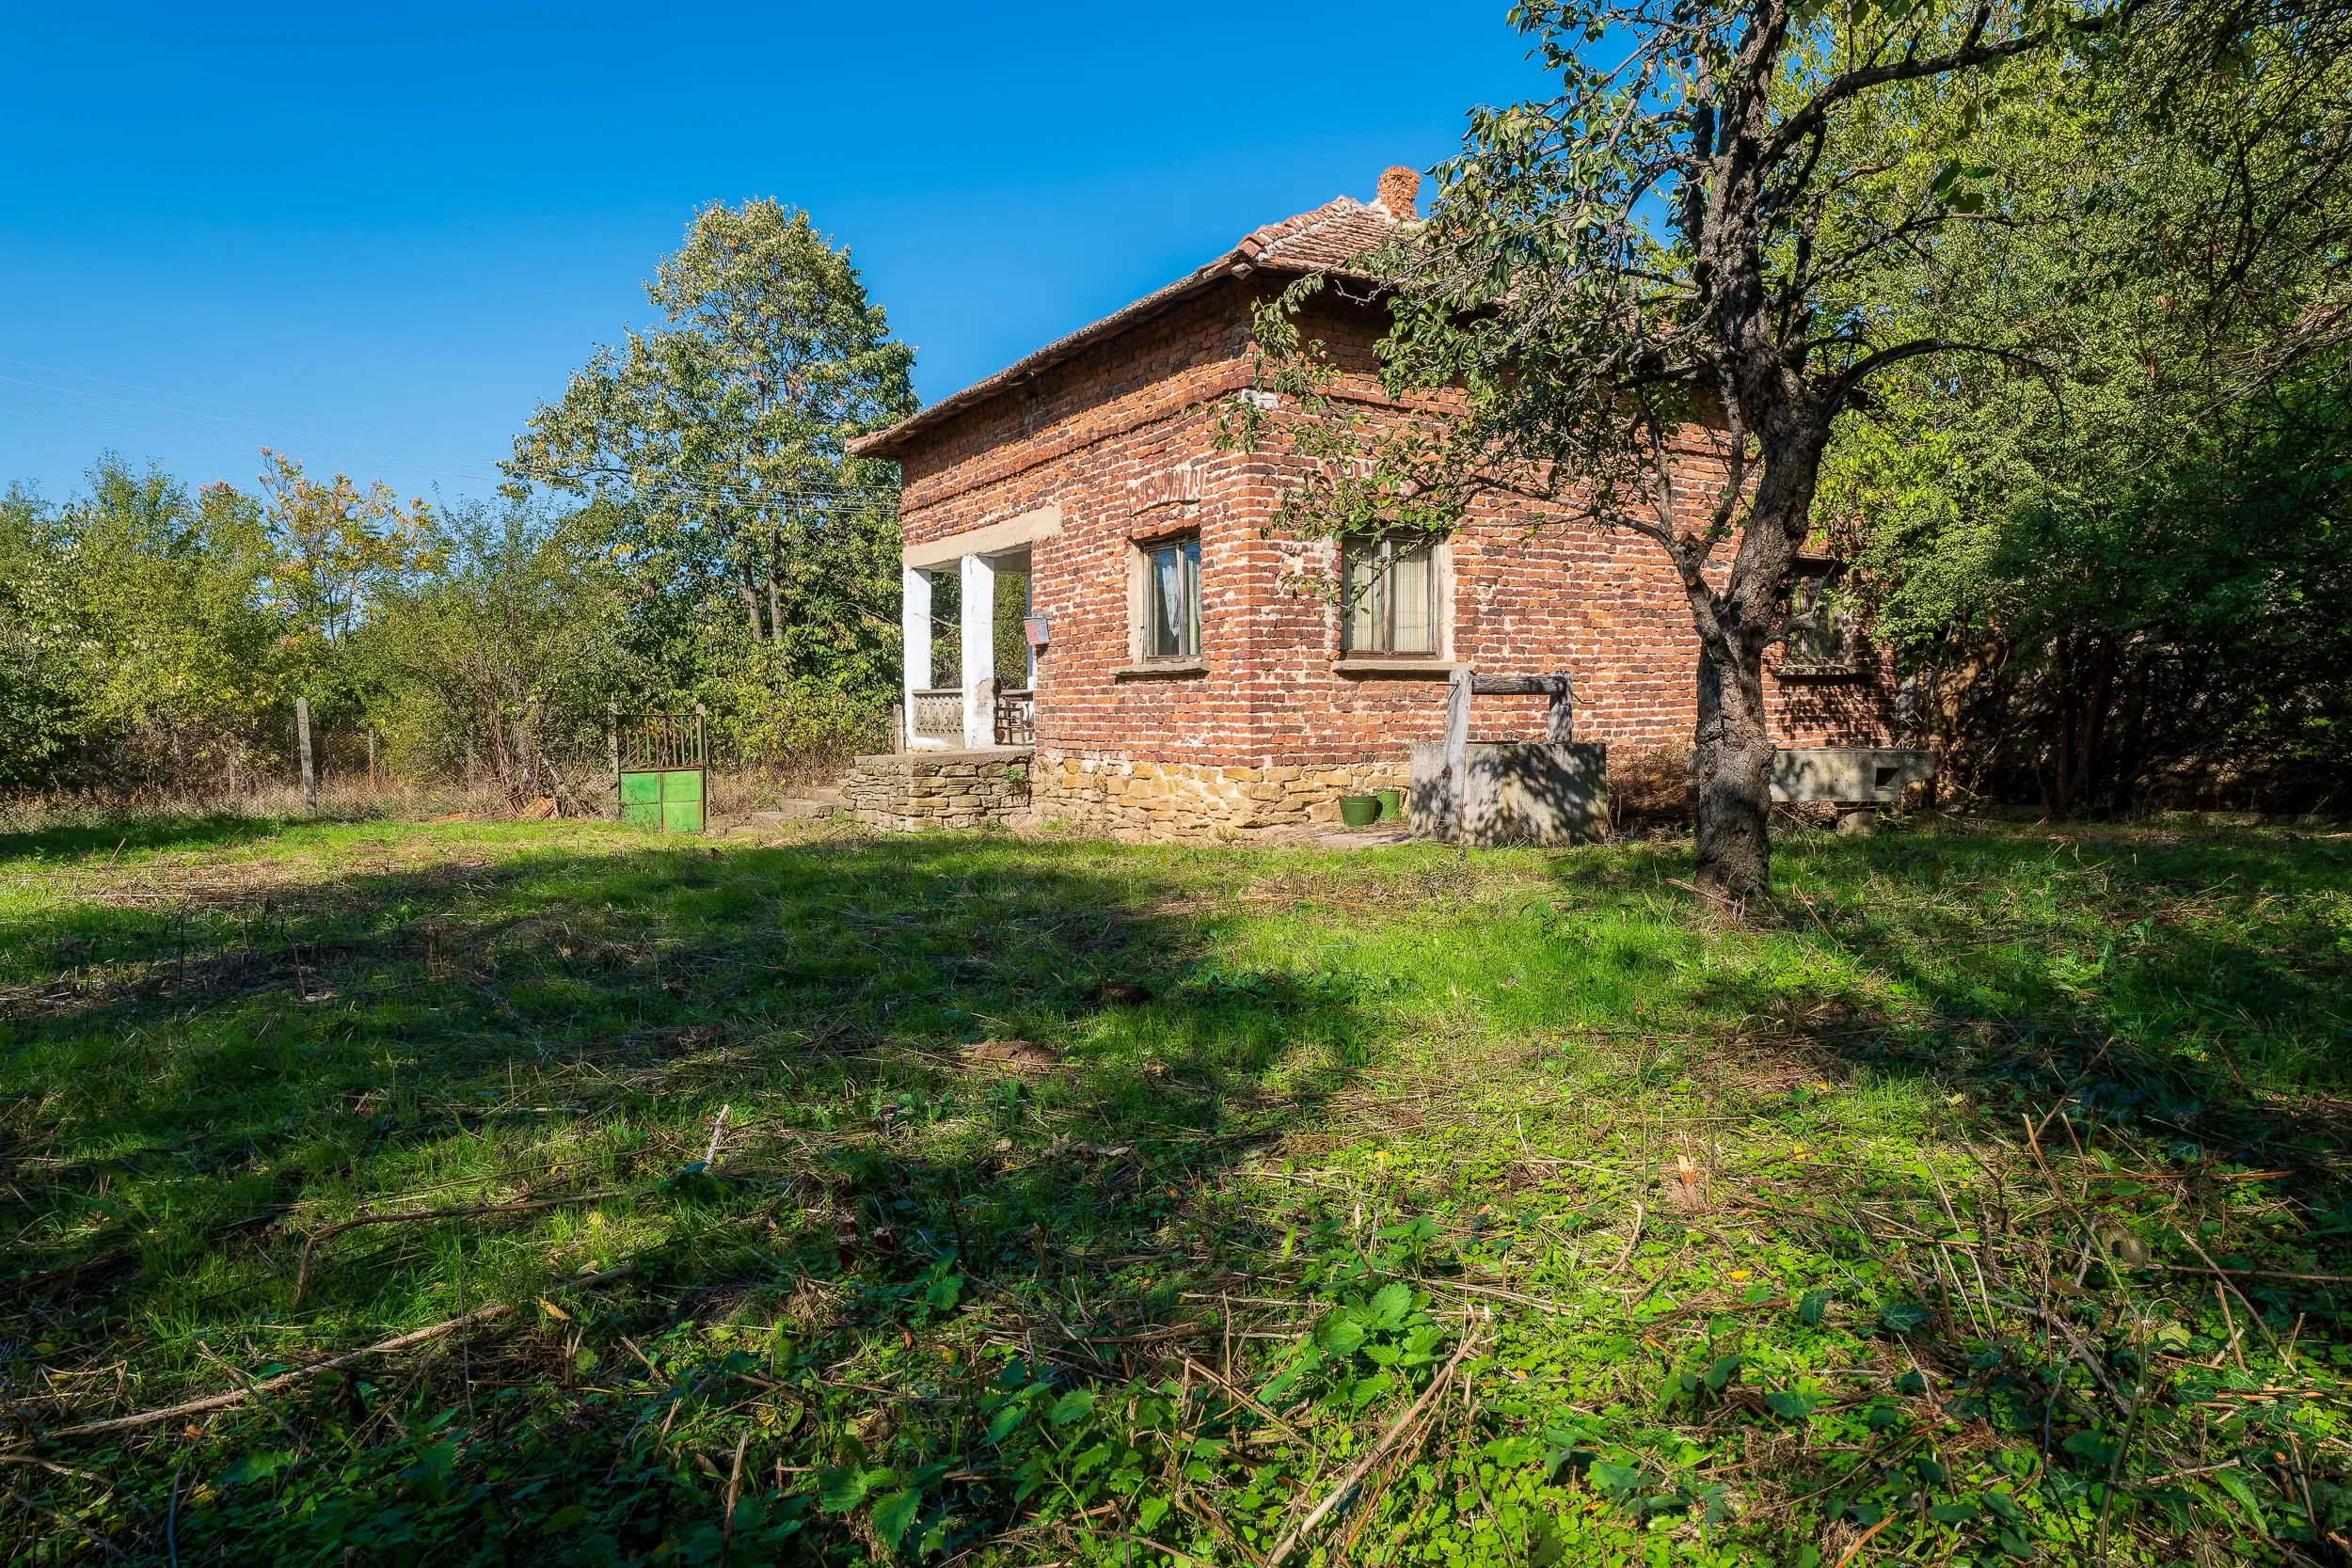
(302,744)
(1559,723)
(370,759)
(613,753)
(1454,778)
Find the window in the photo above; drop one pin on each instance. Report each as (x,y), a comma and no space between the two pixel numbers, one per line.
(1389,597)
(1821,632)
(1171,590)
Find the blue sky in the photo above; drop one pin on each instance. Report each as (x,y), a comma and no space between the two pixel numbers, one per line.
(378,237)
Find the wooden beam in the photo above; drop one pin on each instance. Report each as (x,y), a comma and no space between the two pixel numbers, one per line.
(1520,686)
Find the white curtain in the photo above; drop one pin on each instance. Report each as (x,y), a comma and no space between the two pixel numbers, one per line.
(1168,567)
(1409,588)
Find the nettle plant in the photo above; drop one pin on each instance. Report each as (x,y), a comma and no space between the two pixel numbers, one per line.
(1360,1351)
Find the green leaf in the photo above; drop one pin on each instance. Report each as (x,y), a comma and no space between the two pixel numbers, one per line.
(2004,1505)
(1070,1406)
(1952,1513)
(1509,1454)
(895,1514)
(1150,1513)
(257,1466)
(2235,1485)
(1343,1335)
(1903,1317)
(1810,1306)
(1392,1304)
(1618,1481)
(1005,1420)
(1721,1372)
(2092,1447)
(944,1292)
(840,1491)
(562,1519)
(1793,1404)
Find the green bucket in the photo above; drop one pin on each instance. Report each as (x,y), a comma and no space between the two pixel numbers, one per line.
(1359,811)
(1391,803)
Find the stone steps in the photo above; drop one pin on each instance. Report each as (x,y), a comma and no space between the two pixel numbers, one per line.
(807,803)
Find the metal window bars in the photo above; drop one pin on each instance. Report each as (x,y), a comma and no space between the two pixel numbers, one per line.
(663,740)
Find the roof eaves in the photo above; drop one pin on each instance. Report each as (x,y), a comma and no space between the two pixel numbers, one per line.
(1236,262)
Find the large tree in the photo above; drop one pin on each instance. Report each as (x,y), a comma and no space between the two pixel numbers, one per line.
(721,433)
(2120,578)
(1662,287)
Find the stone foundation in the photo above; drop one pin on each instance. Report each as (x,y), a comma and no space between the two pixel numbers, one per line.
(1193,801)
(907,790)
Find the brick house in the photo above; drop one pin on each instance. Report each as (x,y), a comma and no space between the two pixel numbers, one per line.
(1182,683)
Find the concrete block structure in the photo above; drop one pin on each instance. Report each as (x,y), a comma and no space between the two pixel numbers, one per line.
(1192,673)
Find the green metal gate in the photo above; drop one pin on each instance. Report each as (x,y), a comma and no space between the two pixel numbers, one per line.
(660,764)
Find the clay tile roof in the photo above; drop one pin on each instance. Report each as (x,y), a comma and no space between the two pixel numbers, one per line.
(1327,239)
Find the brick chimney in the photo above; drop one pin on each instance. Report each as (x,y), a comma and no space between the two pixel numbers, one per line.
(1400,192)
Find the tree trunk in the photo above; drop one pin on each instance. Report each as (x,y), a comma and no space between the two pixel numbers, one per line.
(1735,776)
(1734,743)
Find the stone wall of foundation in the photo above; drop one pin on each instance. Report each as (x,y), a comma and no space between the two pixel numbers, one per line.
(907,790)
(1142,799)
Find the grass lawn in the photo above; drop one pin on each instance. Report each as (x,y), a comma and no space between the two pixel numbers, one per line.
(1030,1200)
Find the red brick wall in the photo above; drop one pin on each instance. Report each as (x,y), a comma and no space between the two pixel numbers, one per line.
(1098,435)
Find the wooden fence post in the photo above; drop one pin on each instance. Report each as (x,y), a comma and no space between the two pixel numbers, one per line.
(370,759)
(302,744)
(612,752)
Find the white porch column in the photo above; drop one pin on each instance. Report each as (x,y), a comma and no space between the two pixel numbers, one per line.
(915,630)
(980,650)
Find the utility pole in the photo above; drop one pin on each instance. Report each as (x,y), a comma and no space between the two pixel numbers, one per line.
(302,743)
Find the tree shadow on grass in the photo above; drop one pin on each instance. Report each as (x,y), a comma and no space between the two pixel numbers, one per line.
(564,1025)
(104,836)
(2174,992)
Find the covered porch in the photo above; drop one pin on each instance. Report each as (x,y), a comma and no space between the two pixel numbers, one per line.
(984,697)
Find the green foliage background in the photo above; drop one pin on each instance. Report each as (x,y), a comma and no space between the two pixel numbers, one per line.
(156,638)
(2113,553)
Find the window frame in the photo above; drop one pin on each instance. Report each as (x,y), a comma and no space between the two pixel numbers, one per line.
(1146,624)
(1431,549)
(1830,645)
